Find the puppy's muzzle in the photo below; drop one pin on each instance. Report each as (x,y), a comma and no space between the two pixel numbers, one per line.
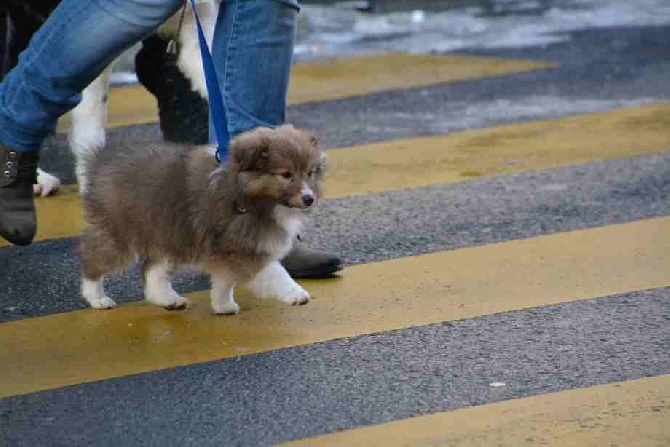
(308,197)
(308,200)
(303,200)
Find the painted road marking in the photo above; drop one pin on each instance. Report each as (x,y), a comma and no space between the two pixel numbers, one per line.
(342,78)
(339,78)
(87,345)
(507,149)
(632,413)
(425,161)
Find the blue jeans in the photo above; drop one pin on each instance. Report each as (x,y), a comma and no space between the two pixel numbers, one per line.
(252,51)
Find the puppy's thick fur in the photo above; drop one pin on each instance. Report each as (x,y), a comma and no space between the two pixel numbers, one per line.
(174,206)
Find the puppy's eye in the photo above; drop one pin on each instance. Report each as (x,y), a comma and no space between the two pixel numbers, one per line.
(288,175)
(311,173)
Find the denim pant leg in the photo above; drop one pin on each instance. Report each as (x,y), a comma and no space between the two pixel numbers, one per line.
(253,52)
(71,49)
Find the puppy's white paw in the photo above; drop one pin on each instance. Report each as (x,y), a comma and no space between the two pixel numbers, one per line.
(275,282)
(46,185)
(94,294)
(229,308)
(295,296)
(102,303)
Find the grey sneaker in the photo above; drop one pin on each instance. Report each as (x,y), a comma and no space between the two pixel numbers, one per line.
(303,262)
(18,173)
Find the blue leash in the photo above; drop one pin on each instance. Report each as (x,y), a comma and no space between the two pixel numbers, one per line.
(215,98)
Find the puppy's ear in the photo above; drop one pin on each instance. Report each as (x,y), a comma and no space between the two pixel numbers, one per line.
(249,151)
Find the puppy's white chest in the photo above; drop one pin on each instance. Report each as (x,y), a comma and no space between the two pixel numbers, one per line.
(280,243)
(290,220)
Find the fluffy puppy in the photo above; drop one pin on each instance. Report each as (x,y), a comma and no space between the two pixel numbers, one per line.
(175,206)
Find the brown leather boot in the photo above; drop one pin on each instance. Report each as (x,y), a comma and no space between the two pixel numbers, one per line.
(18,172)
(303,262)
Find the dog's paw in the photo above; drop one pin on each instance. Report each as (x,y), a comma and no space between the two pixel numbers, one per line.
(102,303)
(46,185)
(229,308)
(296,296)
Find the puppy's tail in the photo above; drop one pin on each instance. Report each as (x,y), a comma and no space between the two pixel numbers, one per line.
(87,134)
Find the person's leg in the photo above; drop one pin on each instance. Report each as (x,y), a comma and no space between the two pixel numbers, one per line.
(253,53)
(75,44)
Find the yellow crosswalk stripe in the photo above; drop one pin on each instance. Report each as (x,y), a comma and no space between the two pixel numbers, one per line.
(500,150)
(634,413)
(420,162)
(342,78)
(339,78)
(87,345)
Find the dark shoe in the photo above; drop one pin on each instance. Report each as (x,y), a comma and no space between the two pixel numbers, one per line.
(302,262)
(184,114)
(18,173)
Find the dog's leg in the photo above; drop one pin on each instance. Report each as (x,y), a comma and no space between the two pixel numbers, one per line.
(98,257)
(275,282)
(158,288)
(190,62)
(94,294)
(87,133)
(89,118)
(46,185)
(223,301)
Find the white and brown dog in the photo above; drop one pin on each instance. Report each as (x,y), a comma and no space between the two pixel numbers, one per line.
(173,205)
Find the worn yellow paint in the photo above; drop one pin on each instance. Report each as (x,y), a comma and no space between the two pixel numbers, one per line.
(424,161)
(59,216)
(634,413)
(69,348)
(339,78)
(507,149)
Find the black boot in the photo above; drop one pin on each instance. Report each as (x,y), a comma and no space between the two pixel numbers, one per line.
(303,262)
(18,173)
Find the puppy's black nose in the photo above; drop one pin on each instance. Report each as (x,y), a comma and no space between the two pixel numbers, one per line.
(308,199)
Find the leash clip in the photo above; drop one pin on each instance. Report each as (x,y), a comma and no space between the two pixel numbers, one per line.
(217,153)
